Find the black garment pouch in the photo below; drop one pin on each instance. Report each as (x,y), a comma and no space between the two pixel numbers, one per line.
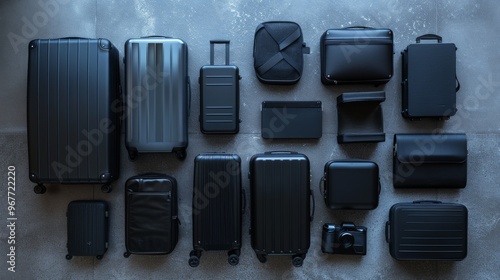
(278,52)
(430,160)
(357,55)
(151,214)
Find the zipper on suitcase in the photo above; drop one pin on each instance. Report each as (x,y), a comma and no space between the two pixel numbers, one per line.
(358,41)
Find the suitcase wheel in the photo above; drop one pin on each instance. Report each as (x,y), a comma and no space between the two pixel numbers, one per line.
(69,257)
(262,258)
(194,258)
(40,189)
(233,259)
(298,260)
(181,154)
(106,188)
(133,154)
(126,254)
(99,257)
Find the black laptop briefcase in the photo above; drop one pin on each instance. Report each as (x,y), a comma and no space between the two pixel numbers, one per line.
(356,55)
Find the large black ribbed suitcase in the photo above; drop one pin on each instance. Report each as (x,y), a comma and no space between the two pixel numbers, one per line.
(427,230)
(430,81)
(219,95)
(218,205)
(73,112)
(280,205)
(151,221)
(158,96)
(88,228)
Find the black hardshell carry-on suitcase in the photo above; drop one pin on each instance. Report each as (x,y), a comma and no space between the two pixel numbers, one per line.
(427,230)
(291,119)
(357,54)
(278,52)
(430,83)
(219,95)
(151,221)
(88,228)
(158,96)
(280,205)
(218,206)
(73,106)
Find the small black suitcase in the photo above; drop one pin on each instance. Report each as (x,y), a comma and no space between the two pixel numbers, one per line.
(158,96)
(151,221)
(280,205)
(74,112)
(429,79)
(218,205)
(427,230)
(291,119)
(219,95)
(357,54)
(88,228)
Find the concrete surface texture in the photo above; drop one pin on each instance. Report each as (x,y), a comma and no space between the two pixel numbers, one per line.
(41,225)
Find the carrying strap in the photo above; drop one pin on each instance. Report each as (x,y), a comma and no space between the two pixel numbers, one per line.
(282,44)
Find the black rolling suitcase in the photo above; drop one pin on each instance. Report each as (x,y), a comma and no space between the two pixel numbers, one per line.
(219,95)
(73,112)
(429,81)
(151,221)
(280,205)
(427,230)
(218,205)
(158,96)
(88,228)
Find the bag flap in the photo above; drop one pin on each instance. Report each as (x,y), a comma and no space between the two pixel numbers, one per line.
(430,148)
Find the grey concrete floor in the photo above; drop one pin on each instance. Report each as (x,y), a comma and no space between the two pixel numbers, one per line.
(41,226)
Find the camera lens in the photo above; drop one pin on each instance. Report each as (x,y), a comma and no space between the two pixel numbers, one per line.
(346,239)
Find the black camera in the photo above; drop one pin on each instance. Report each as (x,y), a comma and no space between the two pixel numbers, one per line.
(346,239)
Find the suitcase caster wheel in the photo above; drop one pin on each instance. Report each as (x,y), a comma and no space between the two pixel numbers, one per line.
(106,188)
(262,258)
(297,261)
(126,254)
(133,155)
(233,259)
(99,257)
(69,257)
(194,261)
(181,154)
(40,189)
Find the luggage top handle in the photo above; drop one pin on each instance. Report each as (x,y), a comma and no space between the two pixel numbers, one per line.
(212,43)
(358,27)
(430,37)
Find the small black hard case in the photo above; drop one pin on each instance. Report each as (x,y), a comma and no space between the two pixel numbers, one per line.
(219,95)
(351,184)
(74,103)
(430,160)
(218,206)
(429,79)
(88,228)
(291,119)
(427,230)
(281,205)
(151,220)
(158,96)
(357,54)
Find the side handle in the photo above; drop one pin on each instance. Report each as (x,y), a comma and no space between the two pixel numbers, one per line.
(313,205)
(243,202)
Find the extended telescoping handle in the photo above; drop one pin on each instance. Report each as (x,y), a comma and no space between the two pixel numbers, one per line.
(429,37)
(212,43)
